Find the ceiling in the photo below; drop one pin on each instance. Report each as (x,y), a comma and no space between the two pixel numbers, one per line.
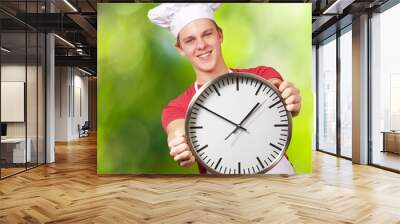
(76,22)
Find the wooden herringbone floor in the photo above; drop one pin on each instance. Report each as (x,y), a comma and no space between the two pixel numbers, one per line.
(70,191)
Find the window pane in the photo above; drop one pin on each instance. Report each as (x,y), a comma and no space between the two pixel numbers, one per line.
(41,98)
(31,97)
(345,94)
(327,96)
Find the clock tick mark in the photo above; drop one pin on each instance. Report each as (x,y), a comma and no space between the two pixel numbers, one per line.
(281,125)
(199,150)
(262,165)
(274,104)
(216,90)
(219,161)
(196,127)
(275,146)
(265,87)
(259,88)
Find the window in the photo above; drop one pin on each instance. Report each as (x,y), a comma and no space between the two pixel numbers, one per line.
(327,95)
(385,89)
(22,78)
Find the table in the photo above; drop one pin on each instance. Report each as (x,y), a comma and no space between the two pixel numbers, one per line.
(13,150)
(391,141)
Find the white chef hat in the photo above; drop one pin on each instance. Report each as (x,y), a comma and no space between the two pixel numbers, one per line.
(174,16)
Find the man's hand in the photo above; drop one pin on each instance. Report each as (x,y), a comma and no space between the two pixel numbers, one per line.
(290,94)
(179,149)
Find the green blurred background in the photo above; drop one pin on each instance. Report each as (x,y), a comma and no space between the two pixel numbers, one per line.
(140,71)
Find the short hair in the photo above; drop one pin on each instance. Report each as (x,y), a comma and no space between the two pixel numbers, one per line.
(219,29)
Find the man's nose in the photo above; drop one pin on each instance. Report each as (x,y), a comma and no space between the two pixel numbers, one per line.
(201,44)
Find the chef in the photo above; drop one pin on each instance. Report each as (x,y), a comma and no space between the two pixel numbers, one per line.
(199,39)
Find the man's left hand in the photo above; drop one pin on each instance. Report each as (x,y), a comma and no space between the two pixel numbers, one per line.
(290,94)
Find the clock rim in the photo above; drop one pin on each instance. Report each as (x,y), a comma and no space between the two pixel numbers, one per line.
(215,80)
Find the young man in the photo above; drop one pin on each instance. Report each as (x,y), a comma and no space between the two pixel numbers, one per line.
(199,39)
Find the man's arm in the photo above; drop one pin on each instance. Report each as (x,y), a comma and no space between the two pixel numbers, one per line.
(177,144)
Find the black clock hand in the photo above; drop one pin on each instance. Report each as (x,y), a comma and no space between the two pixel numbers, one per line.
(244,119)
(226,119)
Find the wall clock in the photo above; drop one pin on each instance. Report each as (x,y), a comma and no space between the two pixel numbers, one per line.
(237,123)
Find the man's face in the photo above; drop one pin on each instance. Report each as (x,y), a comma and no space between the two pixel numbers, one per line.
(200,42)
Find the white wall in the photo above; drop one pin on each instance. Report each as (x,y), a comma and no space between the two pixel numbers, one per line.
(12,73)
(71,94)
(62,81)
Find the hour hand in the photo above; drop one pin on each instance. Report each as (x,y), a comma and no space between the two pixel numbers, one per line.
(238,126)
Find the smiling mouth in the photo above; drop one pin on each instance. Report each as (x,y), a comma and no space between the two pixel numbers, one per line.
(205,55)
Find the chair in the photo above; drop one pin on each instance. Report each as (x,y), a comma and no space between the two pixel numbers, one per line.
(84,130)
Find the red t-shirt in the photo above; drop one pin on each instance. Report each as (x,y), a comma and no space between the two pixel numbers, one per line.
(176,108)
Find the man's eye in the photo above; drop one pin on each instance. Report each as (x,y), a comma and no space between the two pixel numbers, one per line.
(207,34)
(189,41)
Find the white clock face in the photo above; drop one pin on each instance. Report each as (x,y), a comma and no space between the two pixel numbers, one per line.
(238,124)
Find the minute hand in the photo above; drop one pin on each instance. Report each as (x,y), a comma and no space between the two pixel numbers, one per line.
(244,119)
(226,119)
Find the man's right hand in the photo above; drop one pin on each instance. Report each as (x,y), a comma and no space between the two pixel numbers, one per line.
(179,149)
